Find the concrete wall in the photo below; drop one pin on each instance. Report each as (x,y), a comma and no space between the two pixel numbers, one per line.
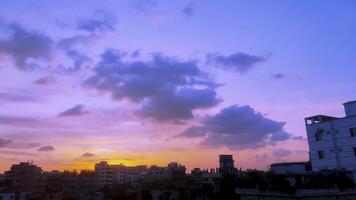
(336,142)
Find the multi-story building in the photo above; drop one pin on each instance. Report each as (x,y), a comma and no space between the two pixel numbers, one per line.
(88,185)
(25,177)
(332,140)
(175,170)
(105,173)
(70,184)
(226,164)
(54,181)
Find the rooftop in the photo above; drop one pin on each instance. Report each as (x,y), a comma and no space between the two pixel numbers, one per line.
(354,101)
(319,118)
(288,164)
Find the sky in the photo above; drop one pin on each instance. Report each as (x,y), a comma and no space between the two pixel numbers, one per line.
(152,81)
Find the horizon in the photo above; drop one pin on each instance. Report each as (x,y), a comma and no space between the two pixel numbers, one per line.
(148,82)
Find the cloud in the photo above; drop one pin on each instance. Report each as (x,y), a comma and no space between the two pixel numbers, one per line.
(79,59)
(136,53)
(77,110)
(19,145)
(17,97)
(142,6)
(69,45)
(32,145)
(179,104)
(188,10)
(238,127)
(103,21)
(239,62)
(46,148)
(4,142)
(23,45)
(20,121)
(17,153)
(281,153)
(44,80)
(87,155)
(165,87)
(278,76)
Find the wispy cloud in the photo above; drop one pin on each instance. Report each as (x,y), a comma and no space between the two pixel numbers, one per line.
(46,148)
(239,62)
(77,110)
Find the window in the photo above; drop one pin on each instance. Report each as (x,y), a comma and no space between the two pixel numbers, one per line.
(321,154)
(353,132)
(354,151)
(317,137)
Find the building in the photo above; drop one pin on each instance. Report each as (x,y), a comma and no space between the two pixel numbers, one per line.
(88,185)
(289,168)
(332,140)
(70,184)
(226,164)
(7,196)
(109,175)
(25,177)
(106,173)
(175,171)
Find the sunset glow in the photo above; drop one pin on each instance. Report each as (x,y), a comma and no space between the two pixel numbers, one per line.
(148,82)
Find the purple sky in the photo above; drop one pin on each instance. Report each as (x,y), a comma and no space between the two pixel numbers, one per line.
(149,82)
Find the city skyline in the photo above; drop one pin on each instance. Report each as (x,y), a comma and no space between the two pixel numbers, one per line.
(150,82)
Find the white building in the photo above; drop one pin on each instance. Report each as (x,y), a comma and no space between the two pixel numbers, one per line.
(332,140)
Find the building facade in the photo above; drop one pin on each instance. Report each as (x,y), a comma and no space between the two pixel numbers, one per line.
(289,168)
(226,164)
(332,140)
(25,177)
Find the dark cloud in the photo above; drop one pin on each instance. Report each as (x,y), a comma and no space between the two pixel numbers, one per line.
(179,104)
(69,45)
(103,21)
(32,145)
(281,153)
(164,86)
(239,62)
(188,10)
(79,59)
(16,96)
(23,45)
(44,80)
(17,153)
(87,155)
(20,121)
(142,6)
(77,110)
(70,42)
(46,148)
(238,127)
(4,142)
(136,53)
(20,145)
(278,76)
